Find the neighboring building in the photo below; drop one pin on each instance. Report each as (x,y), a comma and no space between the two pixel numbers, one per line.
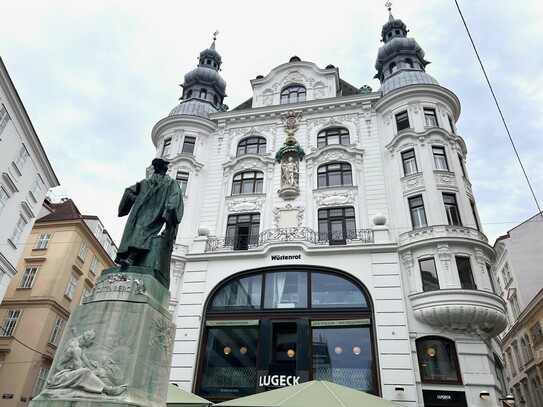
(518,277)
(337,236)
(58,267)
(25,177)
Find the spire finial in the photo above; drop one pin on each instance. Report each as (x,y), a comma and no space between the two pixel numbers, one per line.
(215,34)
(388,5)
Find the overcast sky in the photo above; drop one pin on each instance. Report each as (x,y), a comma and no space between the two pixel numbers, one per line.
(96,76)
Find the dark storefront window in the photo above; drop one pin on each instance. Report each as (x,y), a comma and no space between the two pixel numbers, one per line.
(340,356)
(283,326)
(438,362)
(229,367)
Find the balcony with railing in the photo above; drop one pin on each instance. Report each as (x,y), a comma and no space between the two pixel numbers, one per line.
(284,235)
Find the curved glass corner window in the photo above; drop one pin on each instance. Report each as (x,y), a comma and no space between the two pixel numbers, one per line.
(343,356)
(438,362)
(243,293)
(331,291)
(286,290)
(293,94)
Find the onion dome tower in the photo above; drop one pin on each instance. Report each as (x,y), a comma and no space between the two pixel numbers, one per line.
(203,88)
(400,61)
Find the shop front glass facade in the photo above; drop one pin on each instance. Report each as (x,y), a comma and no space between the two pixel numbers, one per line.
(283,326)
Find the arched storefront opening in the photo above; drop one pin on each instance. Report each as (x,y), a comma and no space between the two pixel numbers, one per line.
(282,326)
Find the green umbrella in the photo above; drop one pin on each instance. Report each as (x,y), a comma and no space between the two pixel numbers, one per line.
(311,394)
(181,398)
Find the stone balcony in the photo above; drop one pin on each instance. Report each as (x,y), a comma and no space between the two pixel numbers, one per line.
(441,232)
(470,312)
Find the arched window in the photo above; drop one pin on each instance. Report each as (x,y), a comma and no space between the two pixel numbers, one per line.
(203,94)
(293,94)
(189,94)
(337,135)
(438,362)
(334,175)
(326,336)
(392,68)
(252,145)
(248,182)
(409,63)
(215,100)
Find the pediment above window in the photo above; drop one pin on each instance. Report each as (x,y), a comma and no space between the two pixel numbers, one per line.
(248,162)
(336,152)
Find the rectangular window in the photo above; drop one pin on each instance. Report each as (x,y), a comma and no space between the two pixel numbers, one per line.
(474,213)
(451,123)
(21,159)
(18,231)
(464,272)
(10,322)
(430,118)
(43,242)
(71,287)
(4,118)
(428,273)
(440,159)
(94,264)
(451,209)
(402,121)
(337,225)
(40,381)
(83,251)
(418,216)
(167,147)
(515,305)
(490,277)
(462,168)
(536,334)
(3,199)
(409,162)
(183,180)
(36,188)
(56,334)
(242,231)
(28,277)
(188,145)
(86,293)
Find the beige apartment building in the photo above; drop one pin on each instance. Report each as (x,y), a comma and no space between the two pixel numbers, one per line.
(64,254)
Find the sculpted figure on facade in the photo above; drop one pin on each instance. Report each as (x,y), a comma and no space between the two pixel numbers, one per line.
(74,370)
(290,173)
(153,204)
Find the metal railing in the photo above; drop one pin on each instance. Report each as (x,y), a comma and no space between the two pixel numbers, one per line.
(301,234)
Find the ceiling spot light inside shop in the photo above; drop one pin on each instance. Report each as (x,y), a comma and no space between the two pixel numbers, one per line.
(243,350)
(357,350)
(338,350)
(290,353)
(227,350)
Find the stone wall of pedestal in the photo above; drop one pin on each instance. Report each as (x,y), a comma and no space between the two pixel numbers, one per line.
(117,346)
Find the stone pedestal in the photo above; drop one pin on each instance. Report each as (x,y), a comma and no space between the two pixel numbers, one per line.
(132,348)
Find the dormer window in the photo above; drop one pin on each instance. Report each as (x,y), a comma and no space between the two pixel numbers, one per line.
(293,94)
(203,94)
(189,94)
(409,63)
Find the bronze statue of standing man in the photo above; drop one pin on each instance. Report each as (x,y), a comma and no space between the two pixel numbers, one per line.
(153,204)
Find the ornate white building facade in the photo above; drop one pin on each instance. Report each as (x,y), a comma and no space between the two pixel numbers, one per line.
(330,233)
(25,177)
